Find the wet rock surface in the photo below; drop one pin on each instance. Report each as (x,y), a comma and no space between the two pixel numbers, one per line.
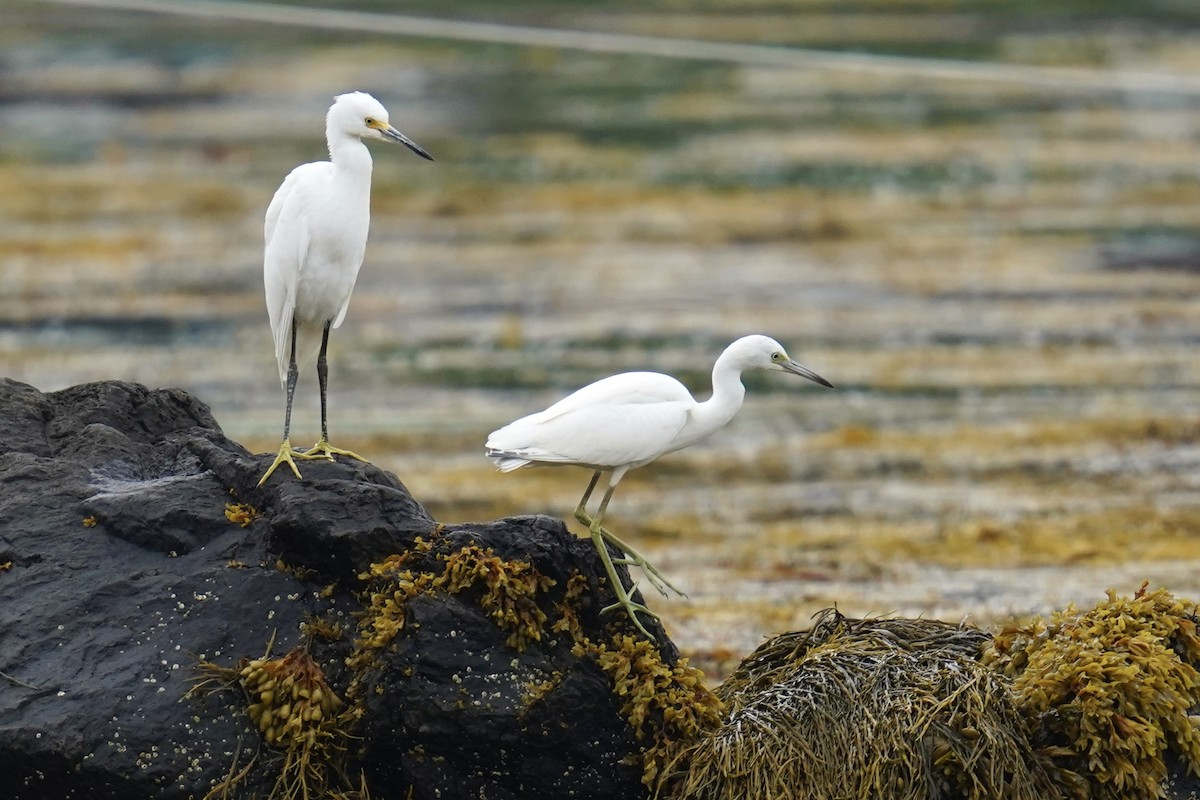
(134,546)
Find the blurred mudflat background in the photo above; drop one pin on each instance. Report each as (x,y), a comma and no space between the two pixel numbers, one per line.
(1002,276)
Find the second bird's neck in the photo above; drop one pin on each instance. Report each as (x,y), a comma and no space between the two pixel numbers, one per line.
(727,396)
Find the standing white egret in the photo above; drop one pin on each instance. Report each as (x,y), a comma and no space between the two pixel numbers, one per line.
(627,421)
(316,234)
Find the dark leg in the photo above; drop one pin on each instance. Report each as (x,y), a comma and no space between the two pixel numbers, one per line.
(323,379)
(292,376)
(323,449)
(285,449)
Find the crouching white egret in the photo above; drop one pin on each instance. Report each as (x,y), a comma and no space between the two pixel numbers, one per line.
(316,234)
(627,421)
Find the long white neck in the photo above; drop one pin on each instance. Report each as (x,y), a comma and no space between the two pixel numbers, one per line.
(349,155)
(727,395)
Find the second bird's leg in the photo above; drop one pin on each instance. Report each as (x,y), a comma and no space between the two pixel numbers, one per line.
(598,536)
(285,450)
(581,509)
(623,599)
(601,537)
(323,449)
(632,556)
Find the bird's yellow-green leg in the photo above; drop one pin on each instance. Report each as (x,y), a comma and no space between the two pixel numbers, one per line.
(601,538)
(285,455)
(581,509)
(623,599)
(598,539)
(632,556)
(323,449)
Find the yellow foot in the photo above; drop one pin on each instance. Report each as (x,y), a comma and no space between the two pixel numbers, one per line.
(324,449)
(284,457)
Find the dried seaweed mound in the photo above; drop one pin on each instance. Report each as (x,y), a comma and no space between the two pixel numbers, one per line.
(1109,691)
(887,709)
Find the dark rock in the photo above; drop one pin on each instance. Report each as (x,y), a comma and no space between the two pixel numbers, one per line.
(460,675)
(120,572)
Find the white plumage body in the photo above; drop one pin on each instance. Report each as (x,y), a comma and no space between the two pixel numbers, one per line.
(316,235)
(628,419)
(315,232)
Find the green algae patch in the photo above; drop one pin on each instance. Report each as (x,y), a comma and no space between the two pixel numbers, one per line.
(1109,690)
(391,584)
(567,609)
(893,709)
(1114,536)
(323,629)
(1065,540)
(665,704)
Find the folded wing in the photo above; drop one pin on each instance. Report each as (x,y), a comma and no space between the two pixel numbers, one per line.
(625,420)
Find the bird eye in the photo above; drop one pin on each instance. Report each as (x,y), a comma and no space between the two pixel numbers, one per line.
(777,356)
(369,121)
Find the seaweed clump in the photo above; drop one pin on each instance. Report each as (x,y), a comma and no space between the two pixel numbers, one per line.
(891,709)
(508,594)
(667,707)
(241,514)
(293,705)
(297,712)
(510,591)
(1109,690)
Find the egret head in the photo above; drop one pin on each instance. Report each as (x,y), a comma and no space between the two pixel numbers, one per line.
(359,114)
(763,352)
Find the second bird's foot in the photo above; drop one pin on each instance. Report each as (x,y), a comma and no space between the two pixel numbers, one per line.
(323,449)
(285,456)
(632,607)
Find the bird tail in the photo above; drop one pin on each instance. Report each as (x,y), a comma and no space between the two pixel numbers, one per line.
(283,342)
(506,461)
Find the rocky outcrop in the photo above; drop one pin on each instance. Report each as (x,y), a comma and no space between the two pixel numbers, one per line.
(150,594)
(169,630)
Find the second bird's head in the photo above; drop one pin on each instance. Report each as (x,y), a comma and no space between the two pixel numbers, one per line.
(359,114)
(763,352)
